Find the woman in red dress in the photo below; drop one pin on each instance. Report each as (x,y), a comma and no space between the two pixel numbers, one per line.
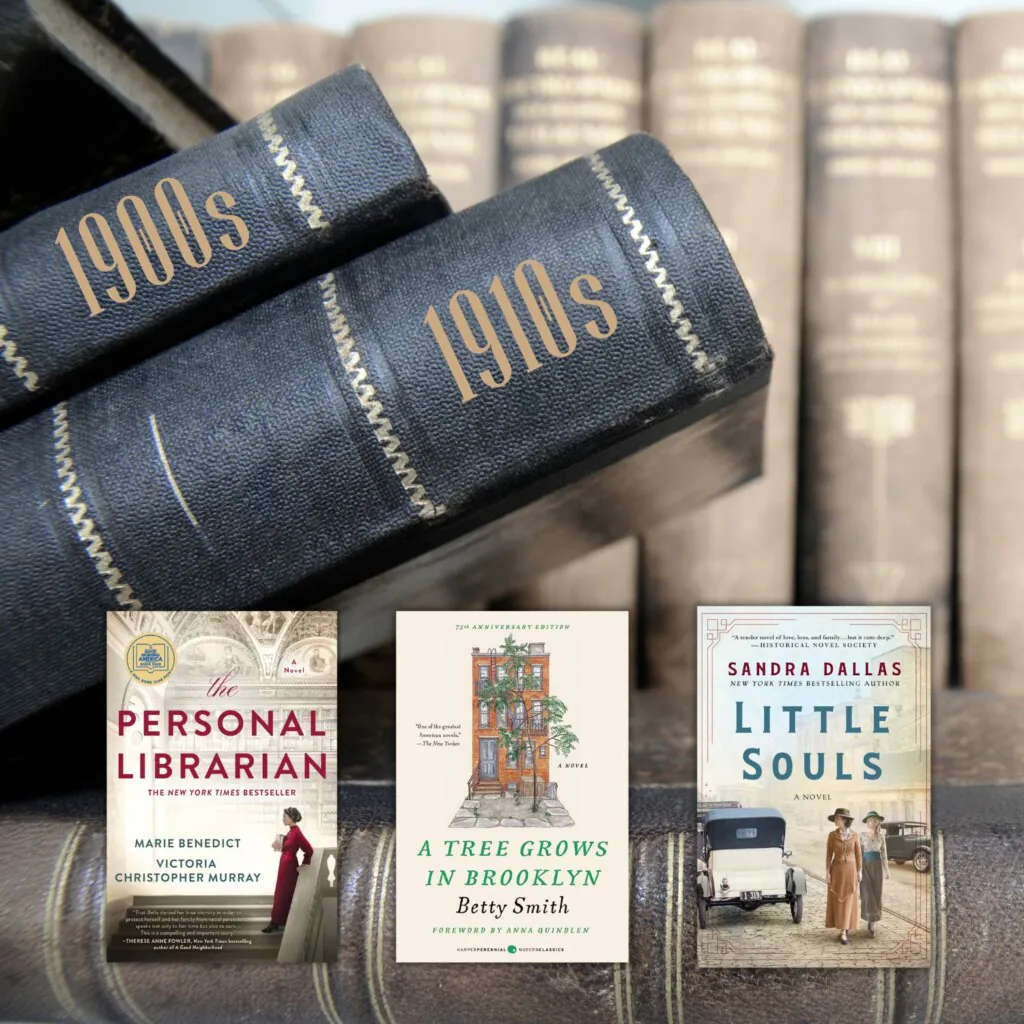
(288,869)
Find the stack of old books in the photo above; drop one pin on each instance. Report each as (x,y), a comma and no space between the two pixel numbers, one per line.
(265,364)
(269,366)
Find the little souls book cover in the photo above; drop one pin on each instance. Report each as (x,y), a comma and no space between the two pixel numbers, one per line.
(512,787)
(222,837)
(813,814)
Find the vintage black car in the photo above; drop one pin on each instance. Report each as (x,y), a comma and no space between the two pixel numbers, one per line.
(740,862)
(909,840)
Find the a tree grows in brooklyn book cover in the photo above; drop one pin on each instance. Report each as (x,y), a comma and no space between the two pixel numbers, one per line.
(512,787)
(814,843)
(222,786)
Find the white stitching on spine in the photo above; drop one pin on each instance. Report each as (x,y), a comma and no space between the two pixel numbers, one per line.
(78,512)
(19,364)
(315,217)
(372,406)
(652,260)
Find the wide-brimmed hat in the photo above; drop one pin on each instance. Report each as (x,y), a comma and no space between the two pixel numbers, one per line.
(872,814)
(841,812)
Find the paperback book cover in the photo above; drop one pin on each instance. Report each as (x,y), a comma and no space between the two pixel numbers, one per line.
(222,838)
(813,816)
(512,787)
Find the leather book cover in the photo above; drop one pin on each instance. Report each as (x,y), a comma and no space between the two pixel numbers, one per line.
(53,909)
(990,83)
(254,67)
(512,773)
(110,99)
(725,91)
(222,769)
(572,82)
(813,787)
(347,428)
(107,278)
(877,435)
(186,46)
(441,76)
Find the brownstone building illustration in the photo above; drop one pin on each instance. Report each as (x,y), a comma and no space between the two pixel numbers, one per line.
(495,769)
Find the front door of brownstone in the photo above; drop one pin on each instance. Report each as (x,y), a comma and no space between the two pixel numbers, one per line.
(488,758)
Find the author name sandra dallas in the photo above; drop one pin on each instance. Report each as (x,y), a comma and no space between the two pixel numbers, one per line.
(519,906)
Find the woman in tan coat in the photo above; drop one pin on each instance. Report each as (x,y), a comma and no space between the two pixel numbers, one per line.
(843,871)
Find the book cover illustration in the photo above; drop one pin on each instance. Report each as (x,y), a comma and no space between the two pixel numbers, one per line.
(512,787)
(813,832)
(222,786)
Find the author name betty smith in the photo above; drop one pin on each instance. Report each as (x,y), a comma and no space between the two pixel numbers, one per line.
(518,906)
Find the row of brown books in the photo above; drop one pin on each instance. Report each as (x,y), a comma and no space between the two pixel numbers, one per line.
(868,173)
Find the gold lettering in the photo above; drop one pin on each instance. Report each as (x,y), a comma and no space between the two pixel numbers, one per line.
(608,87)
(610,319)
(140,231)
(730,109)
(545,309)
(191,222)
(497,289)
(880,118)
(433,321)
(559,57)
(723,48)
(147,241)
(541,298)
(115,262)
(491,344)
(892,62)
(998,131)
(881,248)
(426,65)
(79,273)
(228,200)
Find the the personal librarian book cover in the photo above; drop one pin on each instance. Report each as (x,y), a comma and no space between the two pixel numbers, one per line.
(512,787)
(222,837)
(814,840)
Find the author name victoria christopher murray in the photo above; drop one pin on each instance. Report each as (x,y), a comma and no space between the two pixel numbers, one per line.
(237,765)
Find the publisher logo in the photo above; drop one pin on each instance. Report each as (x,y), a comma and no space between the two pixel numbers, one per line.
(511,949)
(150,659)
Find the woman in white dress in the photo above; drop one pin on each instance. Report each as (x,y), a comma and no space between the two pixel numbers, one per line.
(875,859)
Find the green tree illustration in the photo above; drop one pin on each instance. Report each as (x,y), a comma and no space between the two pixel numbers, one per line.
(524,729)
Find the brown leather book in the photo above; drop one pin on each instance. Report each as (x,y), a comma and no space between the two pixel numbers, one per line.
(252,67)
(725,95)
(573,76)
(441,76)
(573,82)
(990,84)
(54,971)
(878,430)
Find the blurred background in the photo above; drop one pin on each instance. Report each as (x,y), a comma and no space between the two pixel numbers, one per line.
(342,15)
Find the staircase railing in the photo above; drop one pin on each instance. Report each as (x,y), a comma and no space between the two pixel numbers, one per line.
(311,932)
(473,780)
